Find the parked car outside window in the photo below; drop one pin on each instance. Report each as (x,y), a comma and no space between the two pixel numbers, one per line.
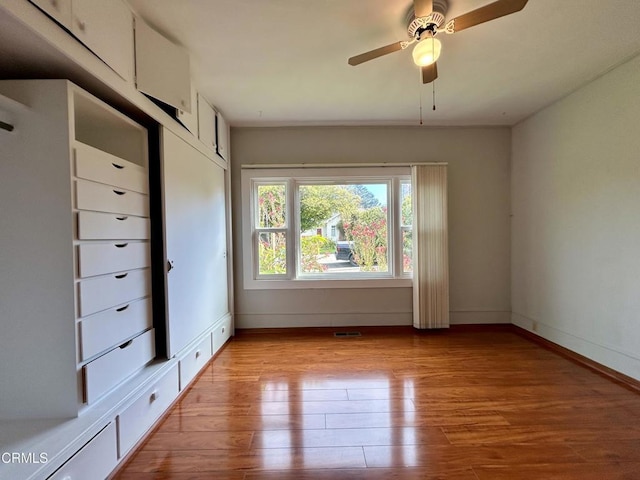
(344,252)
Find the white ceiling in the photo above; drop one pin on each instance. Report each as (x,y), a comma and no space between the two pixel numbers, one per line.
(284,62)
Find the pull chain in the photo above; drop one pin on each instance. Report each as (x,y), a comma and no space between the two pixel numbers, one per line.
(420,106)
(433,86)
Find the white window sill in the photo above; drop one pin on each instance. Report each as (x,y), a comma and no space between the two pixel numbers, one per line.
(304,283)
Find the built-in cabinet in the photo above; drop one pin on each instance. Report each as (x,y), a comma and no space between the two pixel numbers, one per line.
(60,10)
(80,168)
(80,323)
(162,68)
(206,123)
(222,137)
(213,130)
(105,27)
(194,201)
(190,119)
(95,460)
(135,419)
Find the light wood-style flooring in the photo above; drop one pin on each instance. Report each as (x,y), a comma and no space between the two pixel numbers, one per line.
(463,404)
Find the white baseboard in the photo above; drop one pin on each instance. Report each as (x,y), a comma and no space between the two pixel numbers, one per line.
(479,317)
(265,320)
(617,359)
(278,320)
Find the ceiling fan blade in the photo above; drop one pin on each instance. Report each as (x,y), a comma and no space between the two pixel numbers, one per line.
(422,8)
(487,13)
(378,52)
(429,73)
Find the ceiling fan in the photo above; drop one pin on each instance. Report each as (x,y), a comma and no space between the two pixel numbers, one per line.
(425,22)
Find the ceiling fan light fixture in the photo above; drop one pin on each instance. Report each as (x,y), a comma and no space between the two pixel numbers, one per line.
(427,51)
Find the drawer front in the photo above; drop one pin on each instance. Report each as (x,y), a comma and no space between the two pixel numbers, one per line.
(106,198)
(96,459)
(221,333)
(94,164)
(100,293)
(103,330)
(193,361)
(138,417)
(107,371)
(108,226)
(99,259)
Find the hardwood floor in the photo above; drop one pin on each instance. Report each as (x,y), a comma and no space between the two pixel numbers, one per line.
(465,404)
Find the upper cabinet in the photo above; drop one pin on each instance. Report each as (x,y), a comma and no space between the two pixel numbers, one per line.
(206,123)
(213,130)
(141,55)
(190,119)
(222,137)
(106,28)
(162,68)
(60,10)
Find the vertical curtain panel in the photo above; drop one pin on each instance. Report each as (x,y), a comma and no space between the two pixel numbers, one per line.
(430,247)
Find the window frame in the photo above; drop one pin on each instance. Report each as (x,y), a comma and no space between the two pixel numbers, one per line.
(294,178)
(403,228)
(257,230)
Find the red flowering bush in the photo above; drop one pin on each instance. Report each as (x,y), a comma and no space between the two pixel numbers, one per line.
(367,231)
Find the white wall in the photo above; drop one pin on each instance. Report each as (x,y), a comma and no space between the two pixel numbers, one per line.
(576,221)
(478,219)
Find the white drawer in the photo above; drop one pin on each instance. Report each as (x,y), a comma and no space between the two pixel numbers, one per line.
(103,330)
(221,333)
(99,166)
(138,417)
(194,360)
(100,293)
(106,198)
(101,258)
(107,371)
(109,226)
(96,459)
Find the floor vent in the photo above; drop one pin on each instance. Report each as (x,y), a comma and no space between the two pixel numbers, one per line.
(346,334)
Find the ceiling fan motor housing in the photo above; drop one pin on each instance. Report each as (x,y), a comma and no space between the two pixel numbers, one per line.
(418,25)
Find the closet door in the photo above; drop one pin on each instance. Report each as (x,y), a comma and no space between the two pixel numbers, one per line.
(195,241)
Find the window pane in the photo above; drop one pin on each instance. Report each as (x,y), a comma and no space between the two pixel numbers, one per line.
(405,204)
(271,206)
(272,253)
(314,250)
(407,251)
(343,228)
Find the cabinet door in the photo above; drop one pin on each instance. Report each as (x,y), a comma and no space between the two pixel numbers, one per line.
(59,10)
(107,29)
(195,226)
(190,119)
(162,68)
(206,123)
(222,135)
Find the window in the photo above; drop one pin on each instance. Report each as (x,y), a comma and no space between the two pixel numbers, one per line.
(271,228)
(406,226)
(307,229)
(361,215)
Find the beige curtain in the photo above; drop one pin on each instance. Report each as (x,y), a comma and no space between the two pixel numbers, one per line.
(430,247)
